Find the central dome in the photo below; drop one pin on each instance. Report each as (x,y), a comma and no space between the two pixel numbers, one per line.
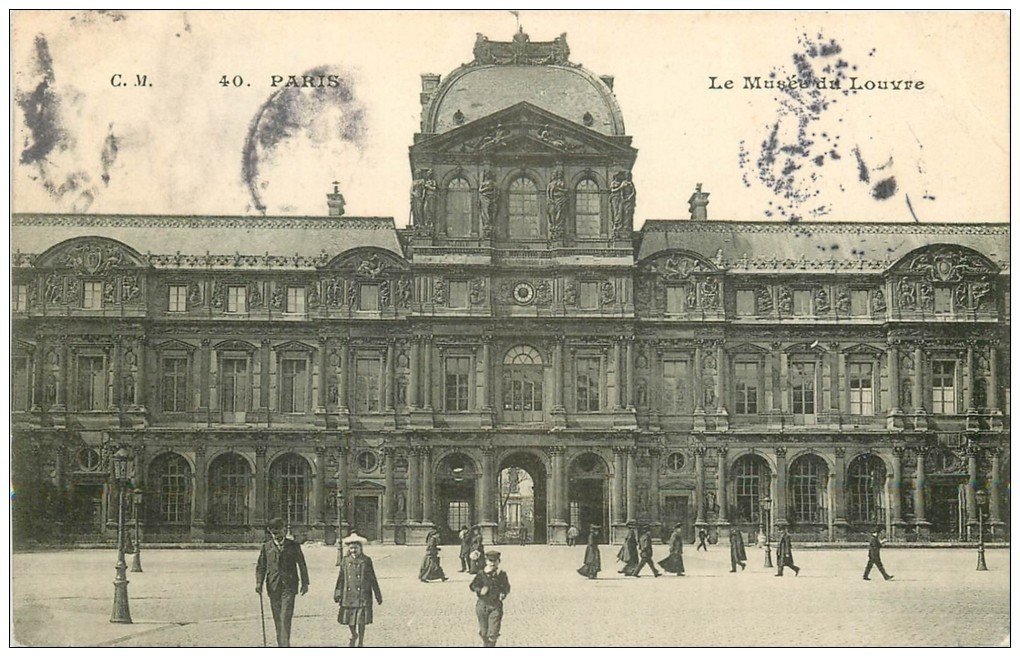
(505,73)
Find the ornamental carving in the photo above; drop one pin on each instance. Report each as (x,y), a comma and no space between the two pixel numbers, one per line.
(947,266)
(195,298)
(622,201)
(878,300)
(314,295)
(93,259)
(384,294)
(925,296)
(403,293)
(784,299)
(54,289)
(334,293)
(109,292)
(906,295)
(521,51)
(570,292)
(477,291)
(762,299)
(494,139)
(255,297)
(543,293)
(488,195)
(710,292)
(842,301)
(370,267)
(822,300)
(607,293)
(439,291)
(278,299)
(423,202)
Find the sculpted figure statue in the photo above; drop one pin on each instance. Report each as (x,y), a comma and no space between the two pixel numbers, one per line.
(487,196)
(423,200)
(622,201)
(556,204)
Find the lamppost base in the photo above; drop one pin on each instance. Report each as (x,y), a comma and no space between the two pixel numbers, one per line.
(768,557)
(981,565)
(121,608)
(136,561)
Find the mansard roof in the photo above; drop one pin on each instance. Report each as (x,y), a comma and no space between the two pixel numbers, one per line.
(188,240)
(817,247)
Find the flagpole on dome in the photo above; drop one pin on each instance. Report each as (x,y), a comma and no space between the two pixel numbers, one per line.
(517,15)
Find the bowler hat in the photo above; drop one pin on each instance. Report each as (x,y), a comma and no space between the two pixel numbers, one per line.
(275,524)
(492,555)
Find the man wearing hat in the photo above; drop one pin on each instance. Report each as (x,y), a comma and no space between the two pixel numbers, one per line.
(355,585)
(491,585)
(875,556)
(280,563)
(738,554)
(784,553)
(645,552)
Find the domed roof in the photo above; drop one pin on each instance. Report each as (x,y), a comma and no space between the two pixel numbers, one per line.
(505,73)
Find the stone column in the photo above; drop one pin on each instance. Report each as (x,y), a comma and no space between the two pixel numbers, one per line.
(994,513)
(972,485)
(893,357)
(629,386)
(779,506)
(896,499)
(558,405)
(205,366)
(318,509)
(968,386)
(839,522)
(777,381)
(414,485)
(345,372)
(616,396)
(258,515)
(632,475)
(391,376)
(993,379)
(64,373)
(488,495)
(699,387)
(427,383)
(389,504)
(343,482)
(118,372)
(427,486)
(721,395)
(699,486)
(721,491)
(264,380)
(653,489)
(198,511)
(487,375)
(619,508)
(919,490)
(412,385)
(322,362)
(918,379)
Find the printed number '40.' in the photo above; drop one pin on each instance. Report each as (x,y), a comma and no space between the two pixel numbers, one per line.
(236,81)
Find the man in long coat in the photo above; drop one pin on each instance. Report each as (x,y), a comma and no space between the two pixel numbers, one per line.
(875,556)
(592,558)
(645,553)
(280,564)
(784,553)
(738,555)
(465,547)
(355,585)
(628,553)
(674,562)
(476,557)
(431,568)
(491,585)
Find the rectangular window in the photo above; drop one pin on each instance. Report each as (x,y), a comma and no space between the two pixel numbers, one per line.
(458,294)
(237,300)
(91,382)
(21,384)
(802,387)
(588,384)
(589,295)
(368,373)
(234,384)
(676,299)
(802,302)
(862,396)
(174,384)
(943,387)
(745,302)
(368,297)
(19,298)
(575,513)
(458,513)
(293,385)
(745,386)
(177,301)
(859,300)
(92,296)
(296,300)
(943,300)
(457,383)
(675,385)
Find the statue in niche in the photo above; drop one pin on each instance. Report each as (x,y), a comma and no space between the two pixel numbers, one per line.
(979,291)
(710,293)
(556,204)
(926,296)
(423,201)
(622,202)
(488,194)
(821,300)
(878,300)
(907,294)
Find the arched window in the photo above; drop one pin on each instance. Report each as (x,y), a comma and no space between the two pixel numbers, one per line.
(458,208)
(522,203)
(751,485)
(809,498)
(229,482)
(288,493)
(587,209)
(865,486)
(172,477)
(522,384)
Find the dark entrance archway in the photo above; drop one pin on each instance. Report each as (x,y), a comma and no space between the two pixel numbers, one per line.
(536,524)
(588,495)
(456,477)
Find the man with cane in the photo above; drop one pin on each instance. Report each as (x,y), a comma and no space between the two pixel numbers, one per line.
(280,563)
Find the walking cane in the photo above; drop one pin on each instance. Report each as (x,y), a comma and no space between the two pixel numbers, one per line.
(262,612)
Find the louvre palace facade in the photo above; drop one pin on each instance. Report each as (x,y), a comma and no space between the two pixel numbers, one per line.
(342,372)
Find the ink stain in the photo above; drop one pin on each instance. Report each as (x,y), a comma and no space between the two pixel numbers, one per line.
(863,175)
(109,154)
(41,109)
(884,189)
(293,112)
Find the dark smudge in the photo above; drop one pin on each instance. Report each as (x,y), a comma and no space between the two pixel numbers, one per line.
(109,154)
(862,168)
(41,108)
(884,189)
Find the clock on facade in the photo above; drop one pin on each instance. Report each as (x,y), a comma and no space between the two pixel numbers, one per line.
(524,293)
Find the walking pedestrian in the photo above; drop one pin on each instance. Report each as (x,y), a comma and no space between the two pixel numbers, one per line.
(875,556)
(430,567)
(674,562)
(592,558)
(523,536)
(464,535)
(572,534)
(645,553)
(628,553)
(476,557)
(784,553)
(279,567)
(738,555)
(761,539)
(702,539)
(355,585)
(491,585)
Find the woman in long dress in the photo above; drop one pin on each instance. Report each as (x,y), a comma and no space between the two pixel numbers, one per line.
(629,554)
(430,567)
(476,557)
(592,557)
(674,562)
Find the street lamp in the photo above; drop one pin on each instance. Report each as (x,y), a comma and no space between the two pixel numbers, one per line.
(121,609)
(766,506)
(981,496)
(136,562)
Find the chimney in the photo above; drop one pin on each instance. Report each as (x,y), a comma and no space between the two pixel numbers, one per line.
(335,201)
(429,84)
(699,204)
(608,79)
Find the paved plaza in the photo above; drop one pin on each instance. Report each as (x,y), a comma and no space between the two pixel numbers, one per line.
(207,598)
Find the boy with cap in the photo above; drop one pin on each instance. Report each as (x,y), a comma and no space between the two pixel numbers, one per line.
(279,565)
(491,585)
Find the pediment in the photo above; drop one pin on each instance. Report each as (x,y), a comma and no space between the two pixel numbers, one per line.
(863,348)
(525,129)
(367,262)
(91,256)
(677,265)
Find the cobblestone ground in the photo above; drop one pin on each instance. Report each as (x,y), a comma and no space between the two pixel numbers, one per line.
(207,598)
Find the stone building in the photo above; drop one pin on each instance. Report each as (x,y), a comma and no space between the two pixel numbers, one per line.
(341,371)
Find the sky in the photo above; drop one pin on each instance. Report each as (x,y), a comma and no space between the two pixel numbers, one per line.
(185,144)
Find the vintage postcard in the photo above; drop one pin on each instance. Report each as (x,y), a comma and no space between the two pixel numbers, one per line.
(452,329)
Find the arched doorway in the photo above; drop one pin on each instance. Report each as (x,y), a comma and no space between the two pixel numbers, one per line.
(290,485)
(171,491)
(750,483)
(456,479)
(522,500)
(588,495)
(807,496)
(865,493)
(229,491)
